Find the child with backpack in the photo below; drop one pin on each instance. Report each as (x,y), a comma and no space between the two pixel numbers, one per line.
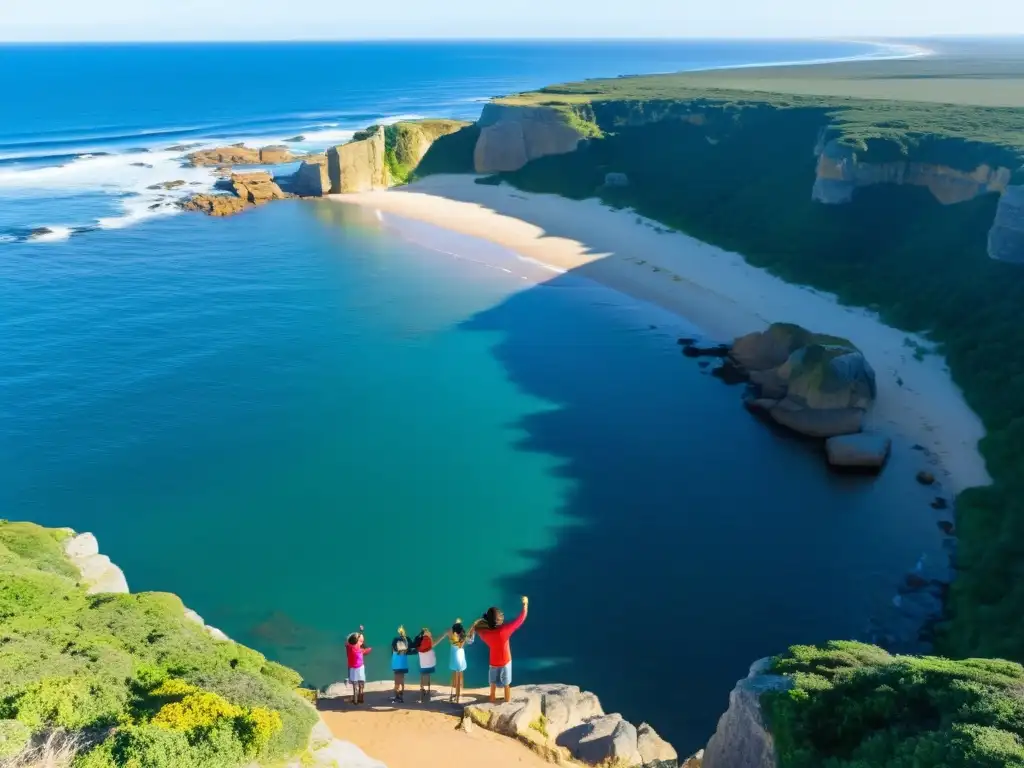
(459,639)
(423,645)
(355,651)
(400,663)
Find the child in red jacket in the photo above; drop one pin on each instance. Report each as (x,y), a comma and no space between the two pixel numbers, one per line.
(356,671)
(495,633)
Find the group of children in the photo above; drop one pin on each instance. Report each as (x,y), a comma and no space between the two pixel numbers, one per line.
(492,630)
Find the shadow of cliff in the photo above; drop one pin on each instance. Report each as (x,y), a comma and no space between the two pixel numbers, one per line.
(695,538)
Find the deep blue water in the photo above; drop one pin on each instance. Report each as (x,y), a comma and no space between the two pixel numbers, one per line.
(300,421)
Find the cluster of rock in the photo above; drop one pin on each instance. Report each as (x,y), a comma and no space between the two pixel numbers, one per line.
(239,154)
(562,723)
(817,385)
(250,189)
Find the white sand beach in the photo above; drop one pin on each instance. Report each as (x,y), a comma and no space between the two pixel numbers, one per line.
(714,289)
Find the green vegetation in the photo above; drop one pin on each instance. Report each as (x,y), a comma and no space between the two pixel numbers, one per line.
(145,685)
(855,706)
(540,725)
(406,143)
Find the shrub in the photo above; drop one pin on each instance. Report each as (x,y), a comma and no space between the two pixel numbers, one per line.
(71,702)
(14,737)
(855,706)
(257,728)
(195,711)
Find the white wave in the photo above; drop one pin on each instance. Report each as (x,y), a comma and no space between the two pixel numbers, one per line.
(128,176)
(55,235)
(399,118)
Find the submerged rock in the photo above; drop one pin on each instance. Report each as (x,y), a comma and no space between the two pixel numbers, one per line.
(865,450)
(925,477)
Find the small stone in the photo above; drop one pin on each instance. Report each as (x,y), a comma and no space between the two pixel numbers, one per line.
(730,373)
(925,478)
(947,527)
(940,503)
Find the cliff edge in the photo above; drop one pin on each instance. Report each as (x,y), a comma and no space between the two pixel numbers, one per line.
(511,136)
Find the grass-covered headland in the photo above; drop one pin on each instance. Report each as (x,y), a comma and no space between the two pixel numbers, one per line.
(136,682)
(855,706)
(729,157)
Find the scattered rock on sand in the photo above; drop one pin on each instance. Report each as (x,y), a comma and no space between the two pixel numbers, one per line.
(924,477)
(866,450)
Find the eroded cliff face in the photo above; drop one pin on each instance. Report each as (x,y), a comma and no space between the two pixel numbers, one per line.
(840,173)
(511,136)
(742,739)
(358,166)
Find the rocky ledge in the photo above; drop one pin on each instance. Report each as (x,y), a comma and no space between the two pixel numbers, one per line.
(249,189)
(563,723)
(239,154)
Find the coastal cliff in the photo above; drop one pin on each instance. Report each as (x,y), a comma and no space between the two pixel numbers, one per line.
(358,166)
(511,136)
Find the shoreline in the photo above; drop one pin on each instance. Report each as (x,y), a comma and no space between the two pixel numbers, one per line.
(714,289)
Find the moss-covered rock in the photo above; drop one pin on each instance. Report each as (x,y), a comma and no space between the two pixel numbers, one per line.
(407,142)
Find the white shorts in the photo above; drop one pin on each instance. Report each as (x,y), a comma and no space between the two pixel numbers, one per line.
(357,674)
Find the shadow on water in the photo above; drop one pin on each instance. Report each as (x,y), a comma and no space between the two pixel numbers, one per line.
(697,539)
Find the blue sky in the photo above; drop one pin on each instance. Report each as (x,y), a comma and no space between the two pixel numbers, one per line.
(340,19)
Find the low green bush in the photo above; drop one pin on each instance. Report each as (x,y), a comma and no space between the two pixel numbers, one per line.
(14,737)
(165,693)
(856,706)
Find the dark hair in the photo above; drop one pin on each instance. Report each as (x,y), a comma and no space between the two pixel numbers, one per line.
(458,630)
(494,617)
(353,638)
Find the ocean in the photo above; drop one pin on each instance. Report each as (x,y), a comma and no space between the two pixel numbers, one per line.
(300,420)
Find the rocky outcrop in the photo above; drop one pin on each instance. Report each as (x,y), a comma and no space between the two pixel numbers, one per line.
(817,385)
(1006,238)
(98,574)
(256,188)
(840,173)
(312,179)
(511,136)
(742,739)
(358,166)
(562,722)
(239,154)
(866,451)
(214,205)
(412,139)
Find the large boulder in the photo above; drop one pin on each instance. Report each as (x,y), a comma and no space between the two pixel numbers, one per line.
(865,450)
(214,205)
(562,722)
(257,188)
(312,179)
(814,384)
(511,136)
(98,574)
(742,739)
(275,154)
(358,166)
(603,740)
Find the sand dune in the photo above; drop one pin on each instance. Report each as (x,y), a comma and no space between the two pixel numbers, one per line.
(715,289)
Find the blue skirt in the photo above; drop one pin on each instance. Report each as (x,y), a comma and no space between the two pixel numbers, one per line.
(399,662)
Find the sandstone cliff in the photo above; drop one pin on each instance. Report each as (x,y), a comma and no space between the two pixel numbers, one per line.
(840,172)
(239,154)
(511,136)
(358,166)
(407,142)
(312,178)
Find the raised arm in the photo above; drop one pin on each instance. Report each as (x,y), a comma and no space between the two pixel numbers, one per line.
(518,622)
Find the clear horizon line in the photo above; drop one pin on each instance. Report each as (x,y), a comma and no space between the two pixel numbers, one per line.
(869,39)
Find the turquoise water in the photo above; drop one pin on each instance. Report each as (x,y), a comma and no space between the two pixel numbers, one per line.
(299,421)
